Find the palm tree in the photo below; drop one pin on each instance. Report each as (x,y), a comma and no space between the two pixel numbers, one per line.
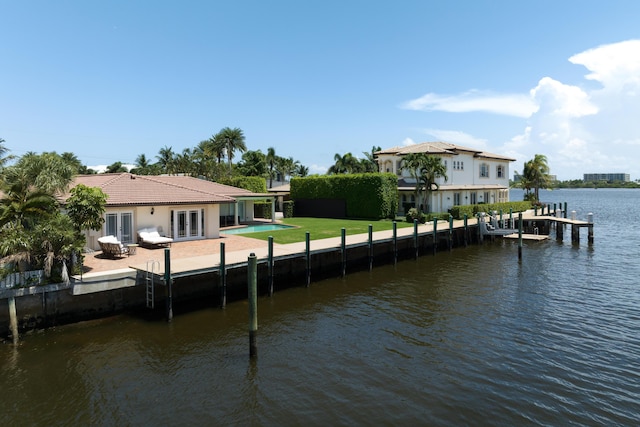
(287,166)
(271,163)
(233,140)
(166,158)
(369,162)
(425,170)
(344,164)
(536,174)
(430,171)
(302,171)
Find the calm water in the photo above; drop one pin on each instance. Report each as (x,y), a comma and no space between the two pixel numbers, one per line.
(255,228)
(471,337)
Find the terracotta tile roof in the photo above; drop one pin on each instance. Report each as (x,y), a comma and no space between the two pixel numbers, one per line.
(127,189)
(440,148)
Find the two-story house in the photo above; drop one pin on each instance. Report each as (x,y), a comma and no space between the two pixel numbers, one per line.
(473,176)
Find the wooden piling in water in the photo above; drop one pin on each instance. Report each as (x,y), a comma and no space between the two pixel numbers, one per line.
(167,282)
(415,236)
(343,250)
(370,247)
(13,319)
(270,265)
(435,235)
(590,228)
(252,284)
(466,231)
(395,243)
(307,241)
(223,278)
(450,232)
(520,236)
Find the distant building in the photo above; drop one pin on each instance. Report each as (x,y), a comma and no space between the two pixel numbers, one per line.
(609,177)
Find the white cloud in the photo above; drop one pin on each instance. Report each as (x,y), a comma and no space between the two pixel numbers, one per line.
(518,105)
(318,169)
(579,127)
(407,142)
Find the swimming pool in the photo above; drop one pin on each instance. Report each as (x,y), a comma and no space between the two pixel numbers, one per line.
(256,228)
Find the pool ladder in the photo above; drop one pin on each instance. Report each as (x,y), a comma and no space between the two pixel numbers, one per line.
(150,273)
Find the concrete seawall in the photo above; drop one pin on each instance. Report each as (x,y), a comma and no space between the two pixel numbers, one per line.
(119,291)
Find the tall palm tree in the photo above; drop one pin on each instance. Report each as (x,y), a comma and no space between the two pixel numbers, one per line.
(233,140)
(536,173)
(271,163)
(369,162)
(346,163)
(430,171)
(166,158)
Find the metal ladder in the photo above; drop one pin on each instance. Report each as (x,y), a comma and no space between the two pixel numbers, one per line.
(149,283)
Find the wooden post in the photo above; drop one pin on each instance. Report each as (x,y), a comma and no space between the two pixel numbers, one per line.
(511,218)
(480,238)
(370,247)
(450,232)
(343,246)
(395,243)
(167,282)
(270,265)
(223,278)
(575,233)
(535,210)
(307,240)
(13,319)
(252,281)
(435,235)
(590,228)
(415,236)
(520,236)
(466,230)
(565,209)
(559,231)
(501,222)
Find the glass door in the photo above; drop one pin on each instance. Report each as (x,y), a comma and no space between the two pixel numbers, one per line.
(120,225)
(188,224)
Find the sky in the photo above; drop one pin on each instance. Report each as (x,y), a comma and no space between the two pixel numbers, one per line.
(110,80)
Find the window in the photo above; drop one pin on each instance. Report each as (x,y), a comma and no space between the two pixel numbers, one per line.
(456,199)
(473,196)
(484,170)
(461,165)
(500,171)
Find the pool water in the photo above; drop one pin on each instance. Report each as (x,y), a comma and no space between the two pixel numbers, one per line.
(256,228)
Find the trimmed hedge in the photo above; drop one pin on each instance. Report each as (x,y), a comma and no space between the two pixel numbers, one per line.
(262,209)
(287,209)
(458,212)
(368,195)
(255,184)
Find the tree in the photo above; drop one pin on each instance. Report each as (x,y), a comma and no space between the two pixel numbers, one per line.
(166,159)
(287,166)
(271,159)
(536,175)
(116,167)
(86,207)
(4,150)
(302,171)
(233,140)
(369,163)
(253,163)
(425,170)
(344,164)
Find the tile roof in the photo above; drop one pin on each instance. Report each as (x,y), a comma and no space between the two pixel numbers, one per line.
(440,148)
(127,189)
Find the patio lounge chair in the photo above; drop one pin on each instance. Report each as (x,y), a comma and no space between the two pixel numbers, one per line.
(112,248)
(151,237)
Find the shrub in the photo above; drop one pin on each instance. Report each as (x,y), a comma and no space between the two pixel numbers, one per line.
(262,209)
(287,209)
(458,212)
(414,214)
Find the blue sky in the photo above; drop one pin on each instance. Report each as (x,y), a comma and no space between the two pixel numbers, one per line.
(109,80)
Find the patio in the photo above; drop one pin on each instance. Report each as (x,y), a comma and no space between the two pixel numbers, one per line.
(96,262)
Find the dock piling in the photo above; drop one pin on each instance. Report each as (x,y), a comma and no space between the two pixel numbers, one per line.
(167,282)
(252,282)
(466,231)
(307,240)
(415,236)
(270,265)
(343,250)
(395,243)
(435,235)
(223,278)
(13,319)
(370,247)
(520,236)
(450,232)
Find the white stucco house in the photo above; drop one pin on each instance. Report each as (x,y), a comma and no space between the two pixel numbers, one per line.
(473,176)
(180,207)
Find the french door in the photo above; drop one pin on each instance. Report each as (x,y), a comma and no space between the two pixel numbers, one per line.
(120,224)
(188,224)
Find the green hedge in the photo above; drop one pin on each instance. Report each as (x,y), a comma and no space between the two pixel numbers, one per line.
(458,212)
(368,195)
(287,209)
(262,209)
(255,184)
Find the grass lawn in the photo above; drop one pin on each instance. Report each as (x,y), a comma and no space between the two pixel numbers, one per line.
(322,228)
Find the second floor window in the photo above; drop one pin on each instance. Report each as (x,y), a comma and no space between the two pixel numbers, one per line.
(484,170)
(500,171)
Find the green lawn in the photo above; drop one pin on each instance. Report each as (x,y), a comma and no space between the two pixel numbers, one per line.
(322,228)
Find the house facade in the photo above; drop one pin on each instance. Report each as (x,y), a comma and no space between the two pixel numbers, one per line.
(473,176)
(180,207)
